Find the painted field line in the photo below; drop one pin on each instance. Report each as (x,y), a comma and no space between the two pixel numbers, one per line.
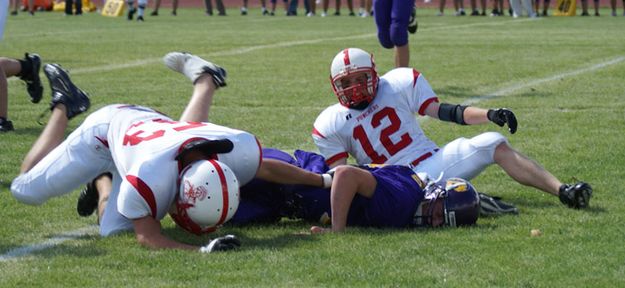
(245,50)
(536,82)
(54,241)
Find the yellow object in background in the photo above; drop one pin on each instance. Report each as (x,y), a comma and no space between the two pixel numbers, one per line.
(87,6)
(565,8)
(113,8)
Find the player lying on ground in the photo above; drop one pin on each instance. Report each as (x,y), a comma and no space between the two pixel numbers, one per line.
(386,196)
(375,122)
(146,153)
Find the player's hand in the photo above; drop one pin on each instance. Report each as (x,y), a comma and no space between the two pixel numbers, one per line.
(502,116)
(225,243)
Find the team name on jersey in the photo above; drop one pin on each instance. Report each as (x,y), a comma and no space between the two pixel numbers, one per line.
(368,112)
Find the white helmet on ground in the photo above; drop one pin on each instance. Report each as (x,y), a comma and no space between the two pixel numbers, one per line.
(354,78)
(208,196)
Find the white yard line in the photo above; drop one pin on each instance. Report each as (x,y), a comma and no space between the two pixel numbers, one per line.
(54,241)
(245,50)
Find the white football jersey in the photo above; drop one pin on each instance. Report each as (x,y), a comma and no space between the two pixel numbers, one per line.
(387,131)
(144,144)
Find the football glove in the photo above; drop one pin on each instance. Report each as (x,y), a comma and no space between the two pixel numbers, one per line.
(502,116)
(225,243)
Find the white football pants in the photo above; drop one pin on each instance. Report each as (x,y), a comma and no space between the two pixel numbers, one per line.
(463,158)
(76,161)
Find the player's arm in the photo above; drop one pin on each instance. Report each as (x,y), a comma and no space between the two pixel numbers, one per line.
(148,232)
(467,115)
(284,173)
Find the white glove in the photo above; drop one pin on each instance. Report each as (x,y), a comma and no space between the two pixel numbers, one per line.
(224,243)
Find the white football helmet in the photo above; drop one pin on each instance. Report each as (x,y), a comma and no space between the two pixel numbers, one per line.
(361,91)
(208,196)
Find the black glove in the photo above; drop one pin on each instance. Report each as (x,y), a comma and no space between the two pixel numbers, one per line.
(502,116)
(225,243)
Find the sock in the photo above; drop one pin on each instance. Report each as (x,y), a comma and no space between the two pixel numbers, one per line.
(27,68)
(141,8)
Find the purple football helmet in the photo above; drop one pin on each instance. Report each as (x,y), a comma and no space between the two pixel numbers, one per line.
(457,204)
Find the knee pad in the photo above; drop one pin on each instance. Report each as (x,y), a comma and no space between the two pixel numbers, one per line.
(488,141)
(399,35)
(385,40)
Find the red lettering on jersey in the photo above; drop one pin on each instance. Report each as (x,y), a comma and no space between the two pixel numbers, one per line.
(145,192)
(392,148)
(134,139)
(189,126)
(385,136)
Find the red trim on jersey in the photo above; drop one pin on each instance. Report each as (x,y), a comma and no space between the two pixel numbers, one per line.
(260,152)
(415,75)
(426,104)
(145,192)
(336,157)
(346,57)
(224,192)
(103,141)
(316,132)
(416,162)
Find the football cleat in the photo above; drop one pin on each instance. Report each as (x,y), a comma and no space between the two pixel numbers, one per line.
(154,13)
(413,25)
(87,200)
(6,125)
(193,67)
(140,19)
(65,92)
(576,195)
(33,83)
(490,205)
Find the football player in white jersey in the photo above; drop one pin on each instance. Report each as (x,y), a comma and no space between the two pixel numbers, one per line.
(145,152)
(375,122)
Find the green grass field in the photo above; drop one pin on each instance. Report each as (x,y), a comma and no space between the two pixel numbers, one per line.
(563,77)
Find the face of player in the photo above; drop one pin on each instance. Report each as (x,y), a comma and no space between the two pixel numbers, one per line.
(355,89)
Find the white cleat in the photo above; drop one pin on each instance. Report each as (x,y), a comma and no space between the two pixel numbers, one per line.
(193,67)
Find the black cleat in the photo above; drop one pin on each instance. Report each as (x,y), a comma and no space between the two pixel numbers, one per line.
(490,205)
(413,25)
(65,92)
(576,195)
(154,13)
(33,83)
(6,125)
(140,19)
(87,200)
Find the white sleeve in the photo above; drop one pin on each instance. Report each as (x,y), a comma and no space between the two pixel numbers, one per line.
(420,93)
(130,202)
(325,136)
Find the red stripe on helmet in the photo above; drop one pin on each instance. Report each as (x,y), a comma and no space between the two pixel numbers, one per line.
(346,57)
(145,192)
(224,192)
